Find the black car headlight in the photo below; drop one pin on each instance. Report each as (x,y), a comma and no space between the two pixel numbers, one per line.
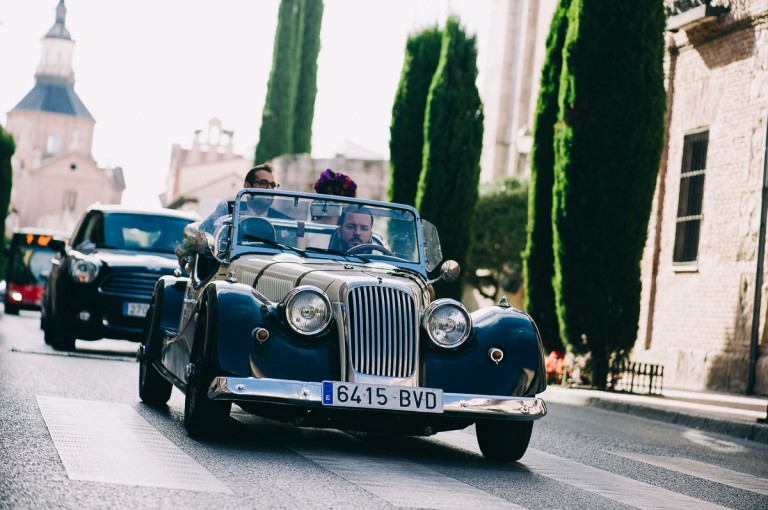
(83,270)
(447,322)
(307,310)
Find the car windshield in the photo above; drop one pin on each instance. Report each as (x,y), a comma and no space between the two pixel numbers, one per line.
(143,232)
(326,224)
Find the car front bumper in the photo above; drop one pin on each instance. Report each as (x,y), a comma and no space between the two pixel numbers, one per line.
(309,394)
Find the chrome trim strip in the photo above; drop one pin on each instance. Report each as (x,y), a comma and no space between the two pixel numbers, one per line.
(309,394)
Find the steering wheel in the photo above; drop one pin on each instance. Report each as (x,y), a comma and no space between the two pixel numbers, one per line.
(371,246)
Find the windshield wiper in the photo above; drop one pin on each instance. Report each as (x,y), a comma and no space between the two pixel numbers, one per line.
(274,244)
(344,254)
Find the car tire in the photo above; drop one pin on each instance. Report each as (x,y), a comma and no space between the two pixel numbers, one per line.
(11,309)
(203,417)
(503,439)
(56,333)
(154,389)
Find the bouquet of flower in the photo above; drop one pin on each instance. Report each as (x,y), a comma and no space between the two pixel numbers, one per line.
(331,183)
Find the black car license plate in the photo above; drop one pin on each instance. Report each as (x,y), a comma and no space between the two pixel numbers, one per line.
(375,396)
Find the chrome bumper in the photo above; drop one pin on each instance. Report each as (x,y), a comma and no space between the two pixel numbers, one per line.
(309,394)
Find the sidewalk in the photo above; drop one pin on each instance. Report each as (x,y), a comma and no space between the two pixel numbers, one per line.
(733,415)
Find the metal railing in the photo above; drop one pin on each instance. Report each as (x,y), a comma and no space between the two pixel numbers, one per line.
(633,377)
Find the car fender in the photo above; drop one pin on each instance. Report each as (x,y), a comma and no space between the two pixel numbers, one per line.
(469,368)
(239,310)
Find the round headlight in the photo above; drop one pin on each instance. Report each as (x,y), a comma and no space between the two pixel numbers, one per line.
(447,322)
(307,310)
(83,271)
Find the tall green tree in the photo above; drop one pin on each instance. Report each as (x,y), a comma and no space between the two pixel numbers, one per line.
(276,132)
(310,23)
(539,259)
(608,142)
(7,148)
(453,141)
(498,237)
(406,133)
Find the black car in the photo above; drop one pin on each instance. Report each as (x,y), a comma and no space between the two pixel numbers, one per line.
(101,284)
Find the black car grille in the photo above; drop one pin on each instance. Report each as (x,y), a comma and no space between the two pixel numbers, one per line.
(383,325)
(130,285)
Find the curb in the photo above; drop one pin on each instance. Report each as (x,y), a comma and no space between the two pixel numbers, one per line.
(757,432)
(742,430)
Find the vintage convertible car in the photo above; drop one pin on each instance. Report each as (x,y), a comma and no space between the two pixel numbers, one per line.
(282,319)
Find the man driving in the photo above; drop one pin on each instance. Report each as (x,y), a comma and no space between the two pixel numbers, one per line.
(355,228)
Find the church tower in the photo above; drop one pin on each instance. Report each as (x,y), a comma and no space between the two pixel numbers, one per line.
(55,175)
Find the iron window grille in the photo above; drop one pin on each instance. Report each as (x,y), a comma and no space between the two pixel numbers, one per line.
(689,202)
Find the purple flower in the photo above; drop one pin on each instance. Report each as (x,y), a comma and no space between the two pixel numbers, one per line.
(331,183)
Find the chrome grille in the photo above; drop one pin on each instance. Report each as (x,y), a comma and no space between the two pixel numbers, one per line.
(383,331)
(130,285)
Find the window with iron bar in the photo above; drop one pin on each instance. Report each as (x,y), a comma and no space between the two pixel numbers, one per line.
(689,202)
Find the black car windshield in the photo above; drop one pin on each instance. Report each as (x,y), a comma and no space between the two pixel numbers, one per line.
(328,225)
(142,232)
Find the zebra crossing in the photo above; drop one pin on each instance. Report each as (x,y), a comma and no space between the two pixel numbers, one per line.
(112,443)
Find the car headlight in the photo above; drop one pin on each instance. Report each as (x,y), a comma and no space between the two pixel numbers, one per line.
(447,322)
(83,271)
(307,310)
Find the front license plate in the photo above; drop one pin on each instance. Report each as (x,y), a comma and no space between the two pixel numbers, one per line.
(135,309)
(373,396)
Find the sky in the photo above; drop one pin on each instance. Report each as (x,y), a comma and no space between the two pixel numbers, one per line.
(152,72)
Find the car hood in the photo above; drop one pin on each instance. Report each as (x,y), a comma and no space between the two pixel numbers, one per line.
(124,258)
(275,276)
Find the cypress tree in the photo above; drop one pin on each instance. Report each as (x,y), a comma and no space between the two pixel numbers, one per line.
(453,140)
(311,20)
(406,133)
(538,259)
(7,148)
(608,142)
(276,132)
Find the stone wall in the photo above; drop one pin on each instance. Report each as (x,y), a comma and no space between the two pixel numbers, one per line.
(696,318)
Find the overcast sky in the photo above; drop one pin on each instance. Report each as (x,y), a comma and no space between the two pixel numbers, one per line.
(152,72)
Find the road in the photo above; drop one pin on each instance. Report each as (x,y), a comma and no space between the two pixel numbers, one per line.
(75,435)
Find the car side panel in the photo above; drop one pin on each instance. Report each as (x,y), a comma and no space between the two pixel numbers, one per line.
(468,369)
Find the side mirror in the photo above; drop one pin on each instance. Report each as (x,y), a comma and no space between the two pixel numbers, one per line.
(449,271)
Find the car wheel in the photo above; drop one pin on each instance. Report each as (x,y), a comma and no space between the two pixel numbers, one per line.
(502,439)
(11,309)
(154,389)
(56,333)
(203,416)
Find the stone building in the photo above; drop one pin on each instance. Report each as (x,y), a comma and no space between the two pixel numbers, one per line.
(55,177)
(209,171)
(205,173)
(510,88)
(705,249)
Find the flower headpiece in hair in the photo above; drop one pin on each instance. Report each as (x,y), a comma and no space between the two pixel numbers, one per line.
(331,183)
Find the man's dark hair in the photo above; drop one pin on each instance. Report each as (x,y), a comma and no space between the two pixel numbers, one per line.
(355,209)
(251,175)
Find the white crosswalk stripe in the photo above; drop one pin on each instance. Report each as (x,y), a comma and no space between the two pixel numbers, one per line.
(403,483)
(112,443)
(705,471)
(615,487)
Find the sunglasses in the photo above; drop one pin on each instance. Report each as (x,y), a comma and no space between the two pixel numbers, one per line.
(263,183)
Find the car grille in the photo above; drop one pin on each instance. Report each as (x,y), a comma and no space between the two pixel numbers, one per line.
(383,331)
(130,285)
